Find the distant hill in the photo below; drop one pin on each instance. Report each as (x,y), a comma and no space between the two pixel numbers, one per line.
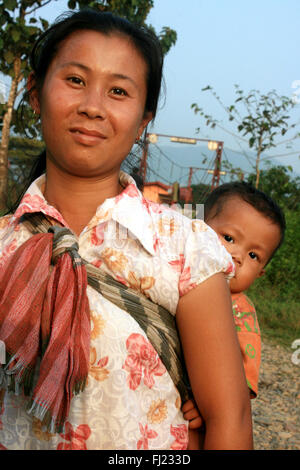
(171,162)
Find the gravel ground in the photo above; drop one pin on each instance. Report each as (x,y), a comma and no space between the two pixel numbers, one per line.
(276,410)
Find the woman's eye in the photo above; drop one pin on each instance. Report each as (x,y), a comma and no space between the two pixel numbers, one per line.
(228,238)
(253,255)
(75,80)
(119,91)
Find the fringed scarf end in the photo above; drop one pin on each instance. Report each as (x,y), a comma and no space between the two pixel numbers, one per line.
(79,386)
(17,377)
(42,413)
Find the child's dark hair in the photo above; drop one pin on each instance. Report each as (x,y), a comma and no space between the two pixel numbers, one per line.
(248,193)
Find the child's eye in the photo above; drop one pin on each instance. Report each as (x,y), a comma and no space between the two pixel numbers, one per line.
(119,91)
(228,238)
(253,255)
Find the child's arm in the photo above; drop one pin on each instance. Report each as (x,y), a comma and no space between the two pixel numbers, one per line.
(214,364)
(196,428)
(191,414)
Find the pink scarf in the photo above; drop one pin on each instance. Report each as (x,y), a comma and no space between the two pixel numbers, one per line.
(44,313)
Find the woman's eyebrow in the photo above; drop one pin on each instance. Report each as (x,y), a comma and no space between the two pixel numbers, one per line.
(124,77)
(75,64)
(86,68)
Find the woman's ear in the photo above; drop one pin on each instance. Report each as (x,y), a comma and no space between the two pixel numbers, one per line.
(33,93)
(145,121)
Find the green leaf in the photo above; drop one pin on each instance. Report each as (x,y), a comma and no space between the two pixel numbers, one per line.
(15,34)
(10,4)
(9,57)
(45,23)
(71,4)
(251,142)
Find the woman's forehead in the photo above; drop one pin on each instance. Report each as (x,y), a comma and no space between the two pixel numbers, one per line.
(85,40)
(114,53)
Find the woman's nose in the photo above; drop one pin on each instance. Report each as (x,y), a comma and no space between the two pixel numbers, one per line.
(93,104)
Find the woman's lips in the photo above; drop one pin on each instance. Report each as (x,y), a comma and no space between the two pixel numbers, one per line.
(87,136)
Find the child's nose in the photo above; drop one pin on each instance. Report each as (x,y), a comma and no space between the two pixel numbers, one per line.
(237,258)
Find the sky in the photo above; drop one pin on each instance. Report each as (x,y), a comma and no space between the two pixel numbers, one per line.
(255,44)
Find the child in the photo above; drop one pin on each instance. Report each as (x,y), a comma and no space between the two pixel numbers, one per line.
(251,227)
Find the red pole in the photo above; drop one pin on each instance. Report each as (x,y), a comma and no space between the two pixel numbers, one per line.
(143,165)
(216,174)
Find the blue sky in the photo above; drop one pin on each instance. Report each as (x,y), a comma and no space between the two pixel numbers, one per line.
(255,44)
(221,43)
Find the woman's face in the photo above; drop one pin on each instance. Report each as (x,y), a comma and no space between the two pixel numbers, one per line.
(92,103)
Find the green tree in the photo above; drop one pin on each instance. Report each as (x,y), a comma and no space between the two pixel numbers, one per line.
(276,295)
(262,118)
(19,29)
(21,153)
(279,183)
(135,11)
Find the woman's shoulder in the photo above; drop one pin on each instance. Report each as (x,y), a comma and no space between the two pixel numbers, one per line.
(7,230)
(5,222)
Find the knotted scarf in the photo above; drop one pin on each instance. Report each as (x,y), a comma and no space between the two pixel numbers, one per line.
(45,321)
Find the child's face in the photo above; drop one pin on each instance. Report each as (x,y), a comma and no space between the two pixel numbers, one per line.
(248,236)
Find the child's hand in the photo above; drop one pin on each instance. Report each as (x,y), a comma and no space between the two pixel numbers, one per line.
(192,414)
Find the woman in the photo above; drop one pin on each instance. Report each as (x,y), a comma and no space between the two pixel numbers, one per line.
(96,376)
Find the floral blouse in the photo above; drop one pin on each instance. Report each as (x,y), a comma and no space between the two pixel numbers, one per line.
(130,401)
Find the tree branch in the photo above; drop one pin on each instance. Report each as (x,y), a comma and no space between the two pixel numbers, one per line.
(231,133)
(36,8)
(281,155)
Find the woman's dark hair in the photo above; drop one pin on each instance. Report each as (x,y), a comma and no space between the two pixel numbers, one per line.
(248,193)
(47,46)
(145,41)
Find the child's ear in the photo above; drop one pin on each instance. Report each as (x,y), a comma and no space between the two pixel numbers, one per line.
(262,272)
(33,93)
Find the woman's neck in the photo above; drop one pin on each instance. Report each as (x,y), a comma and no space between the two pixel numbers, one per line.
(77,198)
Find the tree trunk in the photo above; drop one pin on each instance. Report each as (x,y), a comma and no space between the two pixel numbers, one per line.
(5,132)
(257,171)
(258,162)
